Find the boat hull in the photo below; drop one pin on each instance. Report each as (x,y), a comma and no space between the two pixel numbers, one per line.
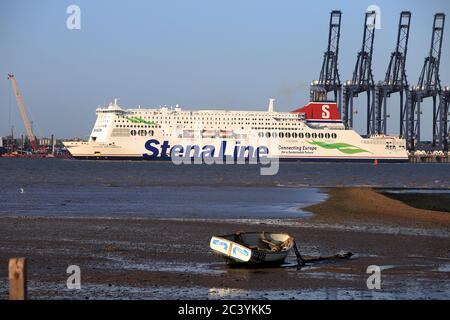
(249,249)
(290,159)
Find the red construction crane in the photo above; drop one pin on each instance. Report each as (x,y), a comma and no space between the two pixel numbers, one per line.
(23,111)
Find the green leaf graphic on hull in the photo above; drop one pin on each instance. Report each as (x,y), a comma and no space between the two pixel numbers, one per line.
(340,146)
(140,120)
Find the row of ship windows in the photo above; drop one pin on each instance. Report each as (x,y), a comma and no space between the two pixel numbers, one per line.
(225,121)
(142,133)
(261,134)
(136,126)
(205,118)
(200,119)
(299,135)
(229,123)
(276,128)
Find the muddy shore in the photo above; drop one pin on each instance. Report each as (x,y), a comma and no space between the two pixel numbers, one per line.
(149,258)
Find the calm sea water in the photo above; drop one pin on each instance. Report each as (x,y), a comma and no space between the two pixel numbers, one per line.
(126,188)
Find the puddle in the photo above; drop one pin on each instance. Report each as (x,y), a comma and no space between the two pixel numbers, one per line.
(115,262)
(443,268)
(418,290)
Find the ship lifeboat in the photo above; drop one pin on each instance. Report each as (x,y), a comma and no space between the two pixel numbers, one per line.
(209,133)
(188,133)
(226,133)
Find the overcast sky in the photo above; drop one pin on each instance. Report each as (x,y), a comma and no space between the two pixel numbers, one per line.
(230,54)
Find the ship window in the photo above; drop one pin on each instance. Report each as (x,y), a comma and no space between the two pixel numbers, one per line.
(288,134)
(274,134)
(321,135)
(142,133)
(307,135)
(314,135)
(133,132)
(261,134)
(268,134)
(327,135)
(301,135)
(334,135)
(281,134)
(294,134)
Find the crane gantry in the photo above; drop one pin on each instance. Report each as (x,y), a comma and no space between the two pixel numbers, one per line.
(428,86)
(329,80)
(395,80)
(362,80)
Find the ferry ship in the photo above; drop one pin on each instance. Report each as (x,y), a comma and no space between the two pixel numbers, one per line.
(314,132)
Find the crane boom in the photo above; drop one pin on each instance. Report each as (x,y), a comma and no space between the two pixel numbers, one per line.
(329,80)
(23,111)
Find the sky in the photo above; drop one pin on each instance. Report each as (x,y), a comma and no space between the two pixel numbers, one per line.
(230,54)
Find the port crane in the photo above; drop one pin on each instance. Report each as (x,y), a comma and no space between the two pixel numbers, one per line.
(428,86)
(442,125)
(23,111)
(329,80)
(395,80)
(362,80)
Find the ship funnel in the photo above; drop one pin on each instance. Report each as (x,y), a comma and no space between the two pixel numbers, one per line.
(271,105)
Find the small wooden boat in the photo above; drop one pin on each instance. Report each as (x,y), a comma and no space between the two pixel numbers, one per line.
(253,247)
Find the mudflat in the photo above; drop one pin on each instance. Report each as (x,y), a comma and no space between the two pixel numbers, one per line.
(147,258)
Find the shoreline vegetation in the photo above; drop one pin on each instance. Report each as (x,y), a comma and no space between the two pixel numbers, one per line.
(124,258)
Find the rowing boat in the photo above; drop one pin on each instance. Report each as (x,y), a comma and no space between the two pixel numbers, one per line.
(253,247)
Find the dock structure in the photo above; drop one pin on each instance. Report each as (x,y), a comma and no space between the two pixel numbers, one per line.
(428,86)
(329,79)
(429,158)
(362,80)
(395,81)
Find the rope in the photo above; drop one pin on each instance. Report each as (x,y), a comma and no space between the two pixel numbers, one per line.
(300,260)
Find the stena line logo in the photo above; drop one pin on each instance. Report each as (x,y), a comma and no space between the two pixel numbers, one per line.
(223,153)
(206,153)
(325,111)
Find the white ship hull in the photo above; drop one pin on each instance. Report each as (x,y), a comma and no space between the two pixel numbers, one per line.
(150,134)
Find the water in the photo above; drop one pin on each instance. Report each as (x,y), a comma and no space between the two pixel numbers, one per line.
(403,291)
(417,191)
(160,189)
(56,173)
(150,201)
